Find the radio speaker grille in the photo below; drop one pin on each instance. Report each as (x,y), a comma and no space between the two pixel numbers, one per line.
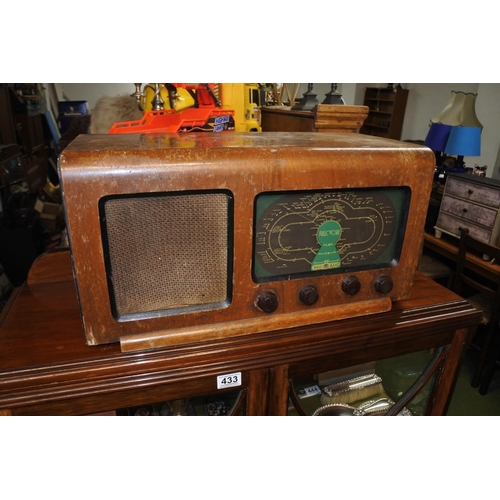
(168,252)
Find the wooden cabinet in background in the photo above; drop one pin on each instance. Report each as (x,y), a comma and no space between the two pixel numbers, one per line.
(25,143)
(7,127)
(473,202)
(386,112)
(323,118)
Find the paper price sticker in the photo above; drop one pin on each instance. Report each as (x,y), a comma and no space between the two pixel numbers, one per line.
(229,380)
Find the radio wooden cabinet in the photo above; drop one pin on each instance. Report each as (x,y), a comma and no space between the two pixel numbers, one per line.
(205,236)
(473,202)
(46,368)
(386,111)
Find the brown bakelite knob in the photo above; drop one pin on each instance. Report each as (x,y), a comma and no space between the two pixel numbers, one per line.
(267,302)
(383,284)
(351,285)
(308,295)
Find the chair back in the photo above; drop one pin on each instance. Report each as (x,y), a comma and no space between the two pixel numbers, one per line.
(483,293)
(464,276)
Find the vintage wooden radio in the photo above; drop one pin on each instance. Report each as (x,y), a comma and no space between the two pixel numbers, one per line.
(178,239)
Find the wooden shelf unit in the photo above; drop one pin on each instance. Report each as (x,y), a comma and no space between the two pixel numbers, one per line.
(386,112)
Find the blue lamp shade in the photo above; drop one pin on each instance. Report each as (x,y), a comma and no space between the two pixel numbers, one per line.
(437,137)
(464,141)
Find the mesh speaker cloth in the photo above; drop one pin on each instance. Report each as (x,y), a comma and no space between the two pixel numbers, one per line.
(168,252)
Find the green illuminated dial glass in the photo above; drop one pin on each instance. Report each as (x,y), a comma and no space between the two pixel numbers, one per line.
(305,233)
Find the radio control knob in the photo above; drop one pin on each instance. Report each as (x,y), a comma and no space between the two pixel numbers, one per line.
(383,284)
(267,302)
(351,285)
(308,295)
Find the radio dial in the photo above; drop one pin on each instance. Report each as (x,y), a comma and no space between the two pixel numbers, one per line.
(383,284)
(308,295)
(351,285)
(267,302)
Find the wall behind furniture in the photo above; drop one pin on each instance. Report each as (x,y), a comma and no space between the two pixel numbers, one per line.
(92,92)
(488,112)
(426,100)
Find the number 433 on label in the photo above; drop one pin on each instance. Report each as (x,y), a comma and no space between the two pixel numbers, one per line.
(229,380)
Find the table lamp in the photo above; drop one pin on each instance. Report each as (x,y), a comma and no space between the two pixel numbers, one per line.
(463,141)
(437,137)
(456,130)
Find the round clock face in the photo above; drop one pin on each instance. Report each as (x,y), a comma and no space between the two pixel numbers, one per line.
(305,233)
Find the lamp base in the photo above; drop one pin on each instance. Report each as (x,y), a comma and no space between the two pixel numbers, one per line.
(308,101)
(460,162)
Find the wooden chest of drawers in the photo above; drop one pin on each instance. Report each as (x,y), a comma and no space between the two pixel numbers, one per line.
(470,201)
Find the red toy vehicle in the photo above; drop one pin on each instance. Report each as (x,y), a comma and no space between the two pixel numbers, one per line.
(205,116)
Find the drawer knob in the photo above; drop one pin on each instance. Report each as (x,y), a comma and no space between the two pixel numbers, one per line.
(470,191)
(464,210)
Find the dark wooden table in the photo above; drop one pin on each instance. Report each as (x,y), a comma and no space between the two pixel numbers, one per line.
(47,369)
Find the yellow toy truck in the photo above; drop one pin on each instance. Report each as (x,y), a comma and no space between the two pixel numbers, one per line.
(244,99)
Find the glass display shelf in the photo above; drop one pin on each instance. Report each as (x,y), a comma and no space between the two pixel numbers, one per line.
(225,404)
(369,390)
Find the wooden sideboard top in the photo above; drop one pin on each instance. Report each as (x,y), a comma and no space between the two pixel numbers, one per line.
(43,325)
(45,361)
